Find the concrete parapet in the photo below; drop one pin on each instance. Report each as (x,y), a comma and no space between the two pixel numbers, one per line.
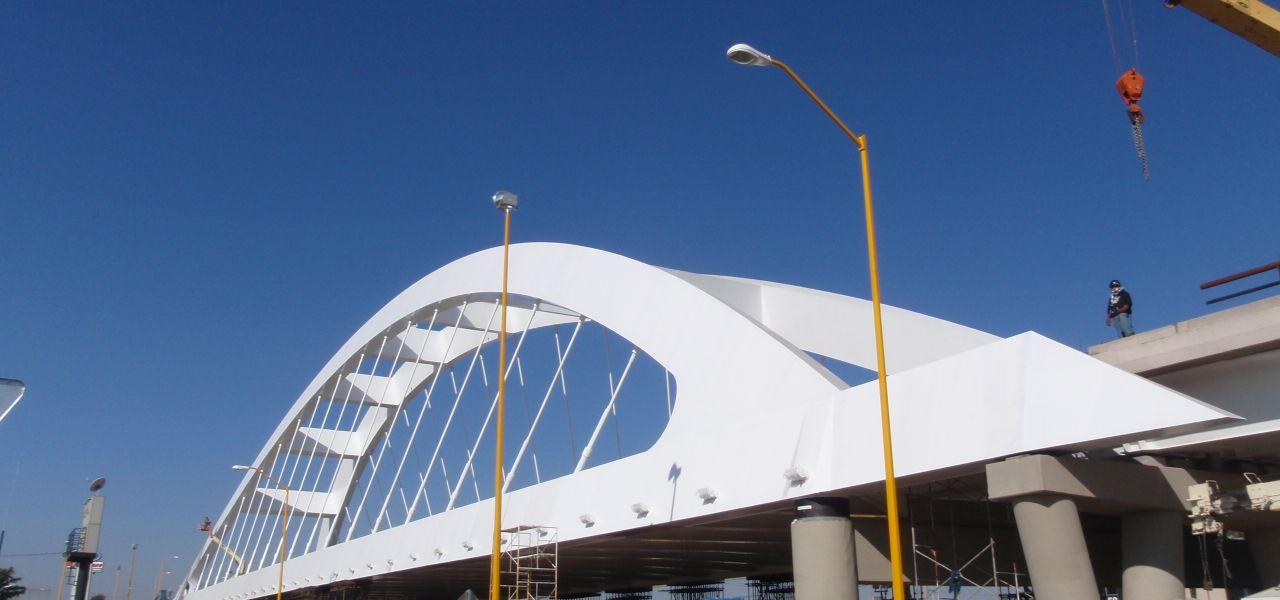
(1247,329)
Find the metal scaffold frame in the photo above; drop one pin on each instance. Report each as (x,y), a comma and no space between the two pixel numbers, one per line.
(771,589)
(697,591)
(530,562)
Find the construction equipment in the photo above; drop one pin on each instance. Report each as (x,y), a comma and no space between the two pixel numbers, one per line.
(1252,20)
(206,526)
(1130,82)
(532,562)
(1130,87)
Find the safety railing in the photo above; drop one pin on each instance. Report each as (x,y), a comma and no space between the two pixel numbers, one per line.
(1275,266)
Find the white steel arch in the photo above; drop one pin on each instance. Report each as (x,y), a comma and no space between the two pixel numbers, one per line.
(739,350)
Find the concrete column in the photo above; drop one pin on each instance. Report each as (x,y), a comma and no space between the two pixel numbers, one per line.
(1264,544)
(1053,542)
(822,559)
(1151,551)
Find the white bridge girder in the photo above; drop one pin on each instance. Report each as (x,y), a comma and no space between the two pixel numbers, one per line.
(753,405)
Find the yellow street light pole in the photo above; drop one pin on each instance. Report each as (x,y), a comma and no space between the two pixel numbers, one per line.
(746,55)
(284,529)
(506,202)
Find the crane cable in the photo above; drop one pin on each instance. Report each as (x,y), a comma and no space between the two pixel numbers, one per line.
(1130,82)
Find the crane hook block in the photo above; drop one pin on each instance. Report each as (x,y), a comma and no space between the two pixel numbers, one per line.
(1130,87)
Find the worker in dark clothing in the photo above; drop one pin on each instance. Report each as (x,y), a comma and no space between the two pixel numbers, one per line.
(1120,309)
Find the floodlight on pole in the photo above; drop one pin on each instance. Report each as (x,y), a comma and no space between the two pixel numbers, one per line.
(284,528)
(506,202)
(743,54)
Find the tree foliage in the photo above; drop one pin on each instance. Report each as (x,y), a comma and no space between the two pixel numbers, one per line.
(9,587)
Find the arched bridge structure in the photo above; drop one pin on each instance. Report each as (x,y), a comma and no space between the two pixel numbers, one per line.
(658,421)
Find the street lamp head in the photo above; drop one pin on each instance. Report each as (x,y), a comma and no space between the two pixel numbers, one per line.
(242,468)
(748,56)
(505,201)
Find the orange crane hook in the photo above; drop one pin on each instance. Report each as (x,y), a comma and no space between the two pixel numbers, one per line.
(1130,87)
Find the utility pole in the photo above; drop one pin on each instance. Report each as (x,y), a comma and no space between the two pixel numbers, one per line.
(115,589)
(133,558)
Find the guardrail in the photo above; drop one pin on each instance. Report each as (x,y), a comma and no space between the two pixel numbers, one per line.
(1275,266)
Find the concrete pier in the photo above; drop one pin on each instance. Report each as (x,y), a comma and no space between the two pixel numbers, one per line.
(822,550)
(1264,544)
(1053,542)
(1152,555)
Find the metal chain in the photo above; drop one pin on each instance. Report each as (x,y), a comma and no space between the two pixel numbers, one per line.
(1141,147)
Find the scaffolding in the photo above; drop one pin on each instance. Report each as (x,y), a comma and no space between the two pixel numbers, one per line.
(531,562)
(771,589)
(632,595)
(697,591)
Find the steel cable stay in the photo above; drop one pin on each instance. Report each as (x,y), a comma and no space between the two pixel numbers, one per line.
(528,418)
(310,456)
(312,539)
(564,389)
(213,558)
(470,469)
(248,524)
(396,367)
(367,440)
(315,448)
(476,356)
(256,538)
(250,556)
(246,530)
(214,567)
(608,355)
(604,416)
(275,519)
(327,451)
(494,404)
(361,415)
(452,411)
(426,405)
(340,438)
(421,492)
(285,511)
(562,359)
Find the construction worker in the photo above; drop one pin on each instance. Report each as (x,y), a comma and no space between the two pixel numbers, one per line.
(1120,309)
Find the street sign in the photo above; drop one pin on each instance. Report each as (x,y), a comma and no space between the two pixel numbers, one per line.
(95,566)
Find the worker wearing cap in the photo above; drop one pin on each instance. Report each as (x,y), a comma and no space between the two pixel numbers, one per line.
(1120,309)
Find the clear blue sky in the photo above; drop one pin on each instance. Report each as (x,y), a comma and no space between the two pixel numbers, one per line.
(203,202)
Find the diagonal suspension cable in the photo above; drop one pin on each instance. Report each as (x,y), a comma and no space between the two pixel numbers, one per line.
(452,411)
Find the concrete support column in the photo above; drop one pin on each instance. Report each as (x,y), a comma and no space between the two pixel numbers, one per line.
(1053,542)
(1151,550)
(1264,544)
(822,557)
